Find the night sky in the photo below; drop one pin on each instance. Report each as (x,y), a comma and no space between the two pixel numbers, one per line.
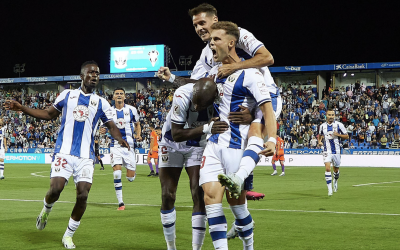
(55,38)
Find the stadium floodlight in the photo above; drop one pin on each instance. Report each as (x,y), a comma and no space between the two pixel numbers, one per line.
(186,61)
(352,74)
(345,74)
(18,69)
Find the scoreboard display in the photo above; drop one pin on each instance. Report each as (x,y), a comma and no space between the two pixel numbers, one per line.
(137,58)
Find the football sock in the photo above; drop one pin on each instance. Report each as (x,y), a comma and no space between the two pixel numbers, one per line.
(274,166)
(217,226)
(118,185)
(47,206)
(151,166)
(199,221)
(283,167)
(157,167)
(168,218)
(101,162)
(250,157)
(244,225)
(328,178)
(336,175)
(1,168)
(72,226)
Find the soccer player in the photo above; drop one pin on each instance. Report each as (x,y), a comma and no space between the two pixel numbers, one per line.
(331,131)
(257,56)
(3,148)
(224,151)
(153,151)
(81,110)
(97,151)
(279,156)
(126,118)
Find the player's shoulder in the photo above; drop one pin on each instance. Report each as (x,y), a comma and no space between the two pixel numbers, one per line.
(252,74)
(214,70)
(184,91)
(127,106)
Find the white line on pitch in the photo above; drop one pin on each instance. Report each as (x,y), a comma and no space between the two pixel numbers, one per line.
(251,209)
(369,184)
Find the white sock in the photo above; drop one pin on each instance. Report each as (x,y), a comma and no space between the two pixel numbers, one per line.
(244,225)
(168,218)
(72,226)
(118,185)
(47,206)
(217,226)
(328,178)
(250,157)
(1,168)
(199,222)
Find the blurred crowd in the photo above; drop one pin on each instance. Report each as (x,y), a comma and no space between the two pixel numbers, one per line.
(370,115)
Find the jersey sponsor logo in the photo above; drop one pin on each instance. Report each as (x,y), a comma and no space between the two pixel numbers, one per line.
(120,123)
(80,113)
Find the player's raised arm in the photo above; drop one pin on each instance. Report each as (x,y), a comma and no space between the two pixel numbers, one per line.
(46,114)
(116,134)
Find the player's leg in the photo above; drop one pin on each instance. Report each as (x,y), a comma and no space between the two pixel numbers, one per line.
(213,194)
(150,165)
(130,164)
(328,174)
(274,165)
(282,160)
(199,218)
(61,170)
(336,164)
(116,164)
(101,162)
(169,174)
(156,162)
(1,168)
(83,178)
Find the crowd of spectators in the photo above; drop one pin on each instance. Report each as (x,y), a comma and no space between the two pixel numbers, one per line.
(370,115)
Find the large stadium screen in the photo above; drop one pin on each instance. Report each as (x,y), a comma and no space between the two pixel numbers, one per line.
(137,58)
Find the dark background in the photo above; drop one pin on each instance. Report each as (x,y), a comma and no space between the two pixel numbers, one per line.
(56,37)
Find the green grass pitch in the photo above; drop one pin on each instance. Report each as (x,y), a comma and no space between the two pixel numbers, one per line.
(295,214)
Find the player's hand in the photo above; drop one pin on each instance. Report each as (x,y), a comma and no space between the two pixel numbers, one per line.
(164,73)
(226,69)
(138,137)
(124,144)
(12,105)
(218,127)
(320,144)
(242,117)
(335,134)
(102,130)
(269,149)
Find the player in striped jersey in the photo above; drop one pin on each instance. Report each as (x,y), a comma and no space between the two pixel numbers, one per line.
(331,131)
(224,151)
(126,118)
(279,156)
(3,148)
(81,111)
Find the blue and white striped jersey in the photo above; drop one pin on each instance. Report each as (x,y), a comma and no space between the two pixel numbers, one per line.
(182,112)
(243,87)
(2,134)
(246,48)
(331,142)
(125,120)
(80,117)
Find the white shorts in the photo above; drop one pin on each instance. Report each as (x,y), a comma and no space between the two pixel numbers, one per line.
(219,160)
(276,105)
(66,165)
(177,158)
(2,154)
(334,158)
(123,156)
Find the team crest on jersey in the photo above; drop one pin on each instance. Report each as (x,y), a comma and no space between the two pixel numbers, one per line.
(93,103)
(126,114)
(80,113)
(231,78)
(120,123)
(153,57)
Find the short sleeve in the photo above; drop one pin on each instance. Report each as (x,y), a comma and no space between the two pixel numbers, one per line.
(180,105)
(248,42)
(321,130)
(61,100)
(342,129)
(106,111)
(135,114)
(254,82)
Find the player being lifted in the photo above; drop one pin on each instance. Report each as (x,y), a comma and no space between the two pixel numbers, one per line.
(331,131)
(3,148)
(248,47)
(279,156)
(127,120)
(153,151)
(81,110)
(224,151)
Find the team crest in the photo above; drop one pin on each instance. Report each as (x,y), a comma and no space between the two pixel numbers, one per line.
(153,57)
(120,123)
(126,114)
(80,113)
(121,59)
(93,103)
(231,78)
